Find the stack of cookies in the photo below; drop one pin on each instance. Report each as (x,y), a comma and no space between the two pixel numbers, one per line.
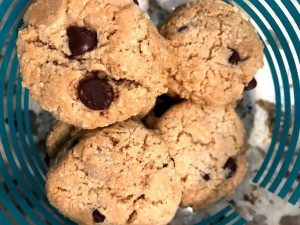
(102,68)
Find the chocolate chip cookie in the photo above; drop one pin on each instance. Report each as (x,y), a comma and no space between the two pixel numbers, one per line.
(121,174)
(206,144)
(92,62)
(218,52)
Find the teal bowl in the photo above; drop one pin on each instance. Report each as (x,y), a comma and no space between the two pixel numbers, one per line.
(274,158)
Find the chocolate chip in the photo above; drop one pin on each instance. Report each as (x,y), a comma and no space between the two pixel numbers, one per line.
(165,165)
(98,217)
(206,176)
(95,93)
(234,57)
(230,167)
(81,40)
(136,2)
(252,84)
(163,103)
(183,28)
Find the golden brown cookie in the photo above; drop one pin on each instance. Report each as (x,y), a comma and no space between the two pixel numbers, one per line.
(121,174)
(206,143)
(92,62)
(217,51)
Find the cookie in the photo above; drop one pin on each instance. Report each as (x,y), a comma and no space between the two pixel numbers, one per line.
(121,174)
(92,62)
(218,52)
(205,143)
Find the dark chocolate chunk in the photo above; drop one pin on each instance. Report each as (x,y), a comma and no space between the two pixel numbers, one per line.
(136,2)
(98,217)
(163,103)
(230,167)
(81,40)
(235,57)
(206,176)
(95,93)
(183,28)
(252,84)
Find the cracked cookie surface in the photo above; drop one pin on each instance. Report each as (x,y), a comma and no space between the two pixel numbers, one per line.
(218,52)
(121,174)
(68,48)
(207,145)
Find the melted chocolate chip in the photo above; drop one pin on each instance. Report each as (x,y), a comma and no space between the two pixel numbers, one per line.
(230,167)
(136,2)
(81,40)
(183,28)
(206,176)
(95,93)
(163,103)
(98,217)
(234,58)
(252,84)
